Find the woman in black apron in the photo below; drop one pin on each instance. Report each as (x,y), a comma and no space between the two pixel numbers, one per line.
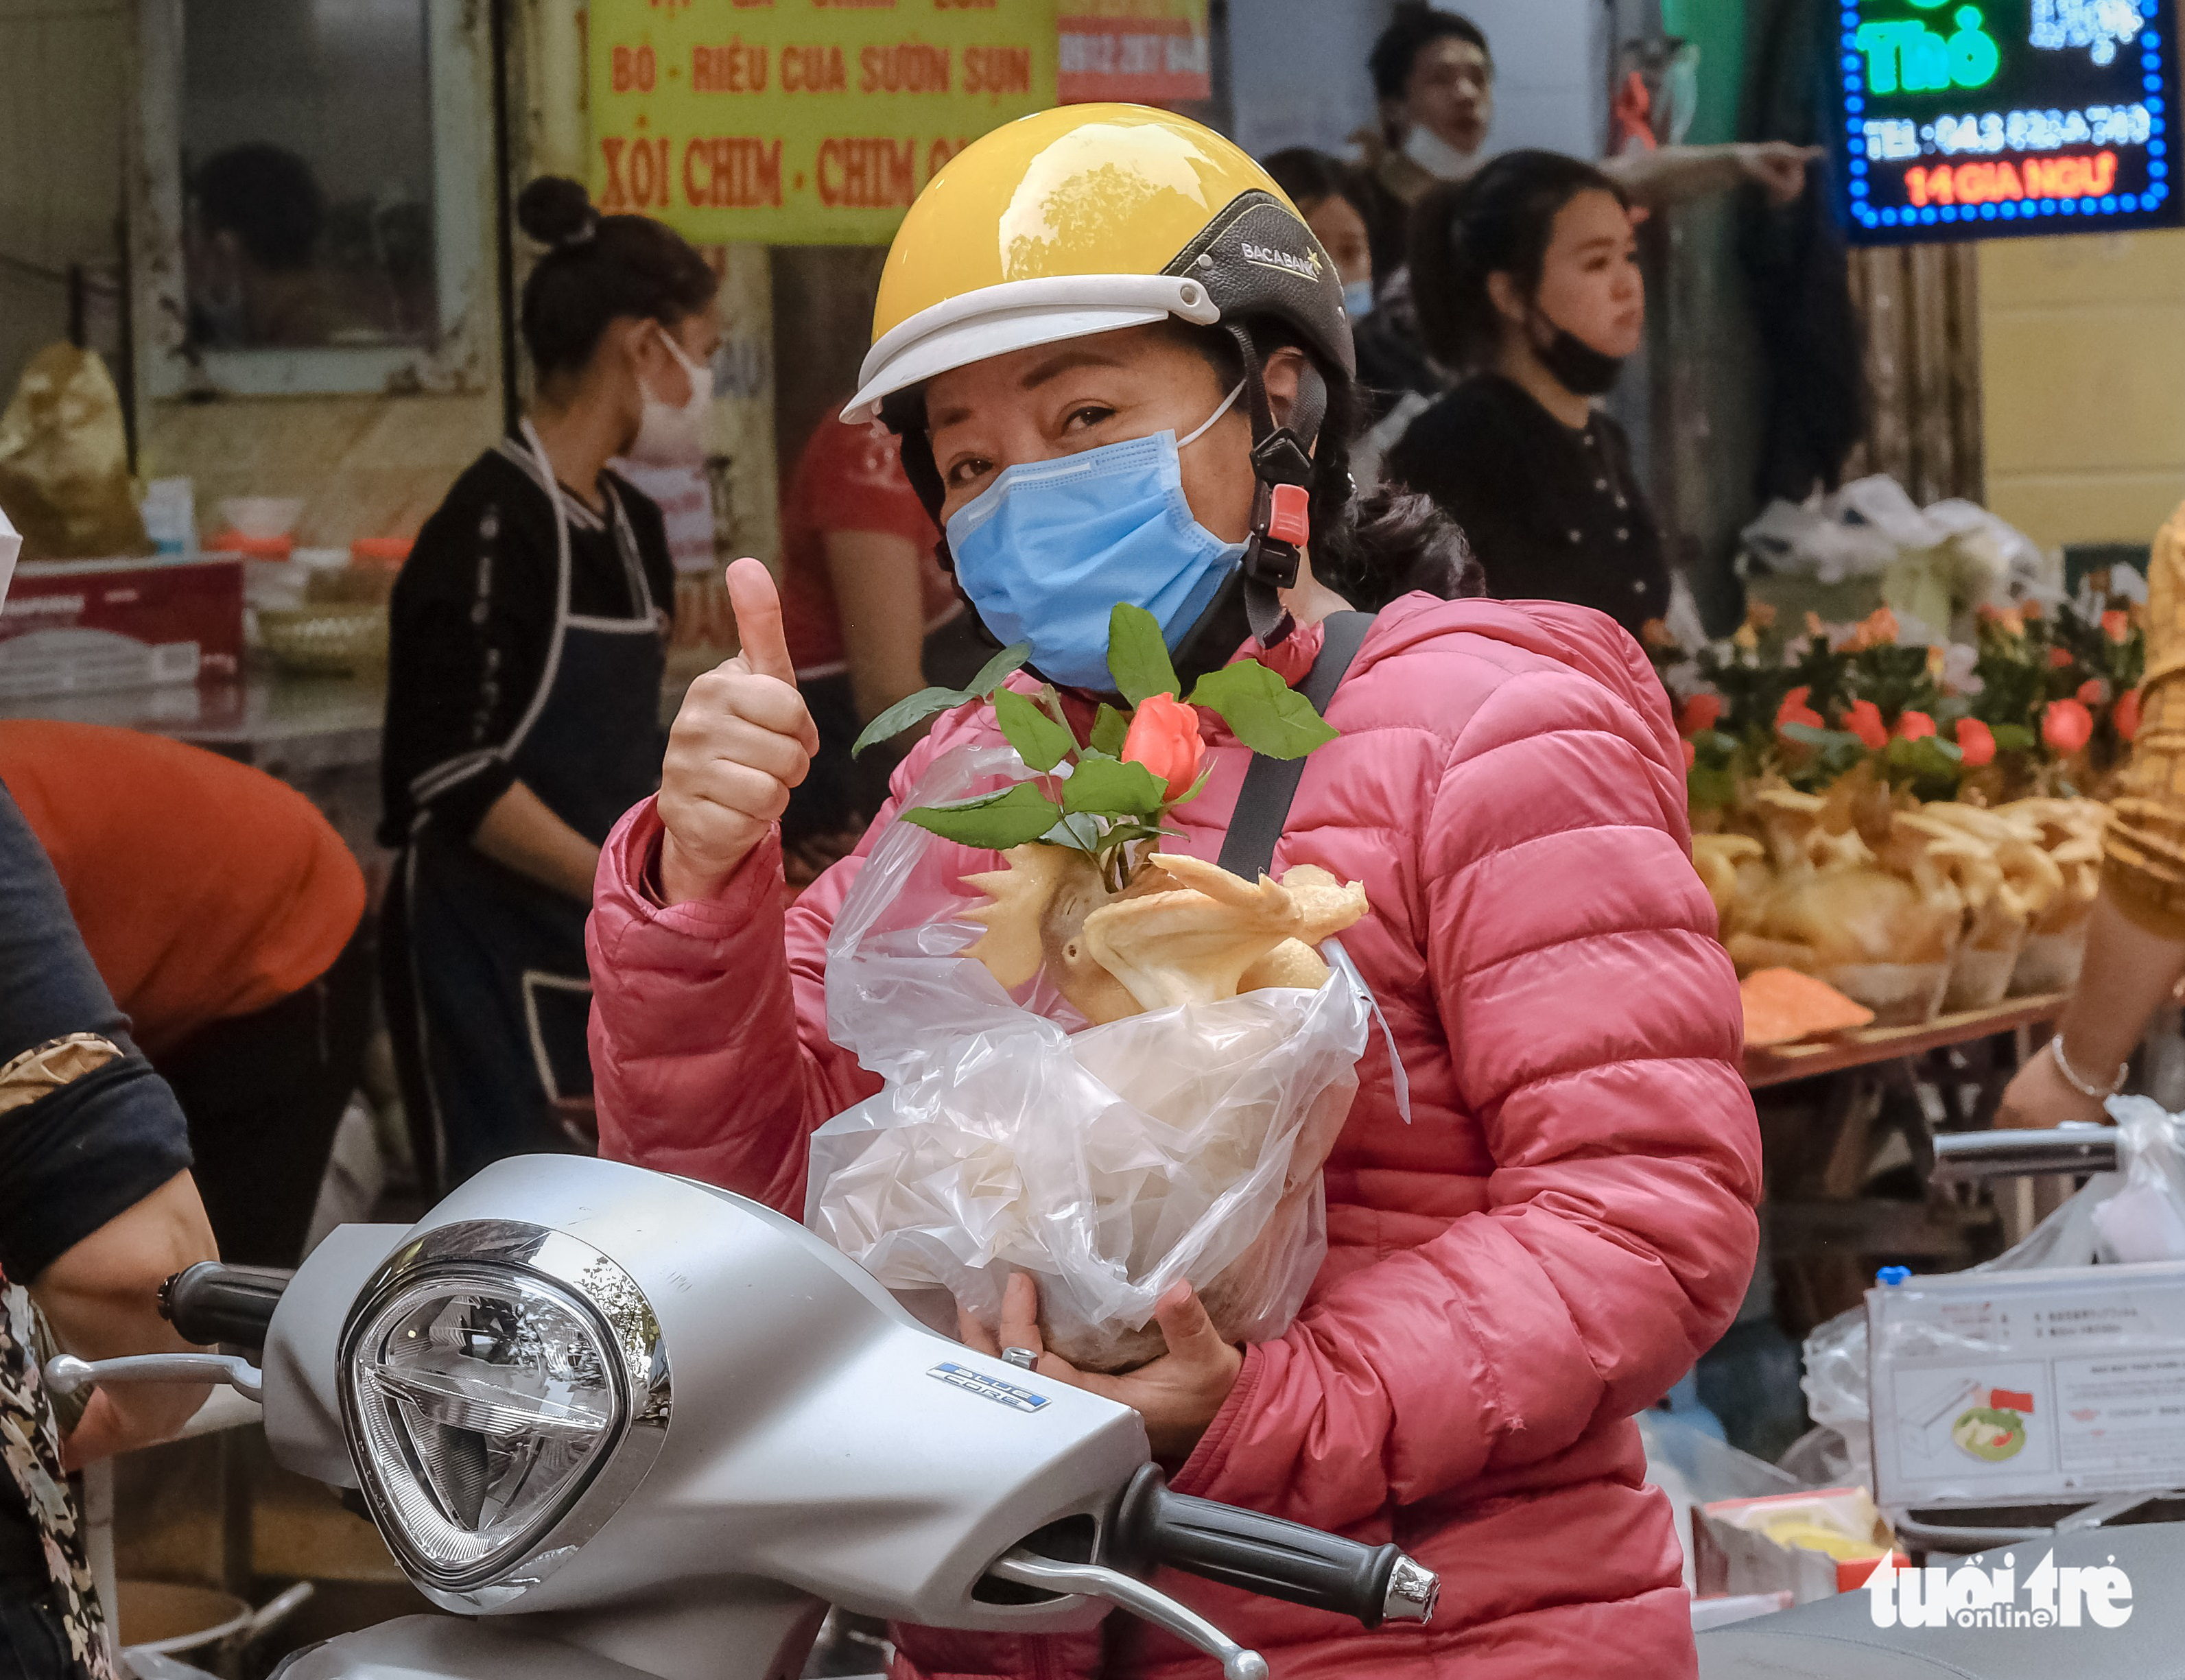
(526,654)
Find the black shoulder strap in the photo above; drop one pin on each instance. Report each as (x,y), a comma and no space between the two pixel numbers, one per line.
(1263,805)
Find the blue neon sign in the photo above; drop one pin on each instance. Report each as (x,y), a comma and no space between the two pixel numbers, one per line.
(1983,119)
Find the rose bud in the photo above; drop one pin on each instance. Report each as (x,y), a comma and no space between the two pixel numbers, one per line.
(1163,737)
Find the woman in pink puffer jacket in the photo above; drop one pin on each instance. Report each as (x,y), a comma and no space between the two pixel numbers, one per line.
(1562,1228)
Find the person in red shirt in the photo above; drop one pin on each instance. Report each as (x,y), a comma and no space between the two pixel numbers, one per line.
(222,911)
(869,616)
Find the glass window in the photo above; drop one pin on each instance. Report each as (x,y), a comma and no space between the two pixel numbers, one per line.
(307,175)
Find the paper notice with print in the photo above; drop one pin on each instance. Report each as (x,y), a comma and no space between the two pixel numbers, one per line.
(1997,1388)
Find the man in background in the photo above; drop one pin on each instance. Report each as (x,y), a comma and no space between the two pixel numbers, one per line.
(222,911)
(1433,77)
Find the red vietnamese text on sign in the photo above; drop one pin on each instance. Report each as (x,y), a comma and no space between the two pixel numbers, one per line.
(1143,60)
(1989,183)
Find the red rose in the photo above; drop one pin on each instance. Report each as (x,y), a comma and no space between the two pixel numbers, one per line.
(2116,624)
(1163,737)
(1915,726)
(2060,658)
(1865,721)
(1692,753)
(2125,717)
(1976,742)
(1794,709)
(1699,713)
(2090,691)
(2066,725)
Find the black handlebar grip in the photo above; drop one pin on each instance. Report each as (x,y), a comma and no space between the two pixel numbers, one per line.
(213,1301)
(1265,1555)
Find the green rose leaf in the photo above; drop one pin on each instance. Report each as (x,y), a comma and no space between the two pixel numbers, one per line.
(1138,655)
(1125,834)
(998,670)
(904,713)
(1101,786)
(2012,737)
(1827,739)
(1109,727)
(1262,711)
(926,702)
(1040,741)
(1012,816)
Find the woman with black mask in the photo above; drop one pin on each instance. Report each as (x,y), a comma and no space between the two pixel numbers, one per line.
(1526,281)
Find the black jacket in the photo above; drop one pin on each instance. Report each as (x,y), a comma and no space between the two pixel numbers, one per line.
(1553,514)
(472,619)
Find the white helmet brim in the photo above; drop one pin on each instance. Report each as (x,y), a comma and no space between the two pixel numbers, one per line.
(1017,315)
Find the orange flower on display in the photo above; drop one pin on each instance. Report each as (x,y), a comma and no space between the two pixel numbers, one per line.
(1976,742)
(1163,737)
(2125,717)
(1794,709)
(1656,635)
(1865,721)
(2116,624)
(2066,725)
(1760,615)
(2029,609)
(1699,713)
(1692,753)
(2010,621)
(1878,629)
(1915,726)
(2090,691)
(2060,658)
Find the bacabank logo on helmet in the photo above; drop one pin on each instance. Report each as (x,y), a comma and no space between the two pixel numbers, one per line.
(1306,267)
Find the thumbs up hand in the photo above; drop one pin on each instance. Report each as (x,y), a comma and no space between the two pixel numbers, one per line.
(742,739)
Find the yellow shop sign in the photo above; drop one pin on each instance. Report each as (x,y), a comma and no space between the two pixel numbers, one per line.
(795,122)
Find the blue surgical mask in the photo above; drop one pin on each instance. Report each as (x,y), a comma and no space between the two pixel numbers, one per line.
(1358,299)
(1050,547)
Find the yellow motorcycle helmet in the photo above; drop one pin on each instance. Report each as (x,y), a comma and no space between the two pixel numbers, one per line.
(1087,219)
(1090,219)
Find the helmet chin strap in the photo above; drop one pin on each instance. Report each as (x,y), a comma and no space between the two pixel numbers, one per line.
(1282,468)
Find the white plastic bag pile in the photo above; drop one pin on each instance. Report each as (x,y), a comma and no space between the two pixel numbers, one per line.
(1871,525)
(1108,1162)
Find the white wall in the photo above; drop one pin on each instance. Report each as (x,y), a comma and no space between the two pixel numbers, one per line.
(1298,71)
(1548,73)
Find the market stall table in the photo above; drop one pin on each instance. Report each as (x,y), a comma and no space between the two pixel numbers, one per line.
(320,734)
(1827,1110)
(1775,1064)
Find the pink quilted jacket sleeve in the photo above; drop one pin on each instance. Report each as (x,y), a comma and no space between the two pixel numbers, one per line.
(709,1045)
(1594,1024)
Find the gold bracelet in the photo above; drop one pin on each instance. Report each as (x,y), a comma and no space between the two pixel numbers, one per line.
(2085,1088)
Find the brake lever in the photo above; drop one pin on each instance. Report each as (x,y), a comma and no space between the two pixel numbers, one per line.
(64,1373)
(1095,1581)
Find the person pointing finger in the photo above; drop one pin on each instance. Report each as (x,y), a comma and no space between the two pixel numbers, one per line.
(742,739)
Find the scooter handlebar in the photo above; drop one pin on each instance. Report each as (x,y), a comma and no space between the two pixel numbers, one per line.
(1267,1555)
(215,1302)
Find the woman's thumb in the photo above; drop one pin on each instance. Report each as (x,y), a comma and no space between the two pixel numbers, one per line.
(757,605)
(1183,1320)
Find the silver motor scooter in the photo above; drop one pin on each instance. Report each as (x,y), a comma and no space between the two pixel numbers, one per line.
(627,1427)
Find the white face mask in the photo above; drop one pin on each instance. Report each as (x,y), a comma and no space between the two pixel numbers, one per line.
(10,545)
(670,434)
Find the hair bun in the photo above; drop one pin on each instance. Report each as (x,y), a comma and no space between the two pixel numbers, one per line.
(555,210)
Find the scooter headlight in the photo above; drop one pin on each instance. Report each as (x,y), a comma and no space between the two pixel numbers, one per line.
(482,1401)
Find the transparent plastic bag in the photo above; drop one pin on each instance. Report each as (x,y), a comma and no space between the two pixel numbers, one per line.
(1107,1161)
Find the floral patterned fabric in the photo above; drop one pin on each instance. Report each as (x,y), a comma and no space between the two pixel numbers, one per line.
(30,1447)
